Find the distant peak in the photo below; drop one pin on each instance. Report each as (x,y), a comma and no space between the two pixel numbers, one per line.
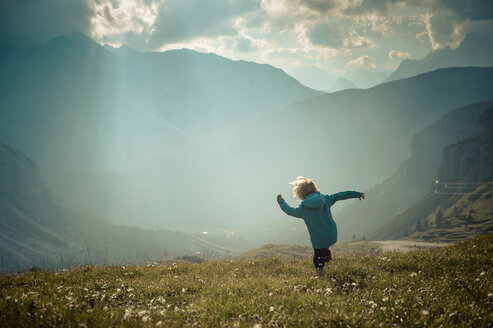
(74,38)
(342,83)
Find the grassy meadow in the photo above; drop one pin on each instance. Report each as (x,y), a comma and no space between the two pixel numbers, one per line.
(446,287)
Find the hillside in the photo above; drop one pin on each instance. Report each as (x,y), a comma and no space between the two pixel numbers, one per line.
(473,51)
(450,286)
(95,107)
(413,179)
(461,204)
(444,217)
(36,233)
(350,139)
(351,127)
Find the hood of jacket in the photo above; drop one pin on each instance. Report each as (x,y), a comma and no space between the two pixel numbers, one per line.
(314,200)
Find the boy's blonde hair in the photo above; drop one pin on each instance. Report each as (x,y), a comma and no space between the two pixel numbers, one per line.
(303,187)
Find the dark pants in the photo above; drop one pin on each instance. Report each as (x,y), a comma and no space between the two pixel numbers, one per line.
(321,256)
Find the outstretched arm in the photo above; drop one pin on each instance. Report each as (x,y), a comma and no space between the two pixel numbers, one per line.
(288,209)
(331,199)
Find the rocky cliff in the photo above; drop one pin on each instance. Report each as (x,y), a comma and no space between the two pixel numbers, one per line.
(414,178)
(461,203)
(470,161)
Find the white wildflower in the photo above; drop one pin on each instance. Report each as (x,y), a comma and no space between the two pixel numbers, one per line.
(271,309)
(128,314)
(142,313)
(425,312)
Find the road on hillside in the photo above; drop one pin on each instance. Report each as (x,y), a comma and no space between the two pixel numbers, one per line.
(407,245)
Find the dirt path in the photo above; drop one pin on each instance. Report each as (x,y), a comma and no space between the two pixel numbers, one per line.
(407,245)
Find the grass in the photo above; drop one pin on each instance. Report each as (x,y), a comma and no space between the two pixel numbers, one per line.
(445,287)
(297,252)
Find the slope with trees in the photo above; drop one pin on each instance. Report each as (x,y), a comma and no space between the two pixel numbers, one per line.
(461,204)
(35,232)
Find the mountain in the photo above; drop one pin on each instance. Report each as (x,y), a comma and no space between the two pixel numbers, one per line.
(475,50)
(35,232)
(311,76)
(341,84)
(354,137)
(461,204)
(73,103)
(414,178)
(351,139)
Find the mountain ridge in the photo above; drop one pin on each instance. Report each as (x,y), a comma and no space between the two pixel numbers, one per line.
(343,140)
(473,51)
(460,204)
(175,103)
(34,232)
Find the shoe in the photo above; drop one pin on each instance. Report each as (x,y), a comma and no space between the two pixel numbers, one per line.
(320,272)
(328,257)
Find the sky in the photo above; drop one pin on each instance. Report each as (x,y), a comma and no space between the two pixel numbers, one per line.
(314,40)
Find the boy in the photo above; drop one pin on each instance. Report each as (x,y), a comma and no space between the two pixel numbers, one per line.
(315,211)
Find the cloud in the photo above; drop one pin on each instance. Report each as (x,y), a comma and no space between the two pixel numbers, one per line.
(244,45)
(468,9)
(398,54)
(368,7)
(356,41)
(326,34)
(444,30)
(34,22)
(336,34)
(114,19)
(321,5)
(185,19)
(151,24)
(449,20)
(362,62)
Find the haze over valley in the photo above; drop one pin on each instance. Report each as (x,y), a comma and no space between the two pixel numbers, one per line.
(117,147)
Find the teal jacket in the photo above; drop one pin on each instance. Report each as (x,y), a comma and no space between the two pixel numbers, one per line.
(315,211)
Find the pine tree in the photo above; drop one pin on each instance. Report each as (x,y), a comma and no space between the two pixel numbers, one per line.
(439,218)
(425,224)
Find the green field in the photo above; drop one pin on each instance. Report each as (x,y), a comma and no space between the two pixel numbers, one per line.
(447,287)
